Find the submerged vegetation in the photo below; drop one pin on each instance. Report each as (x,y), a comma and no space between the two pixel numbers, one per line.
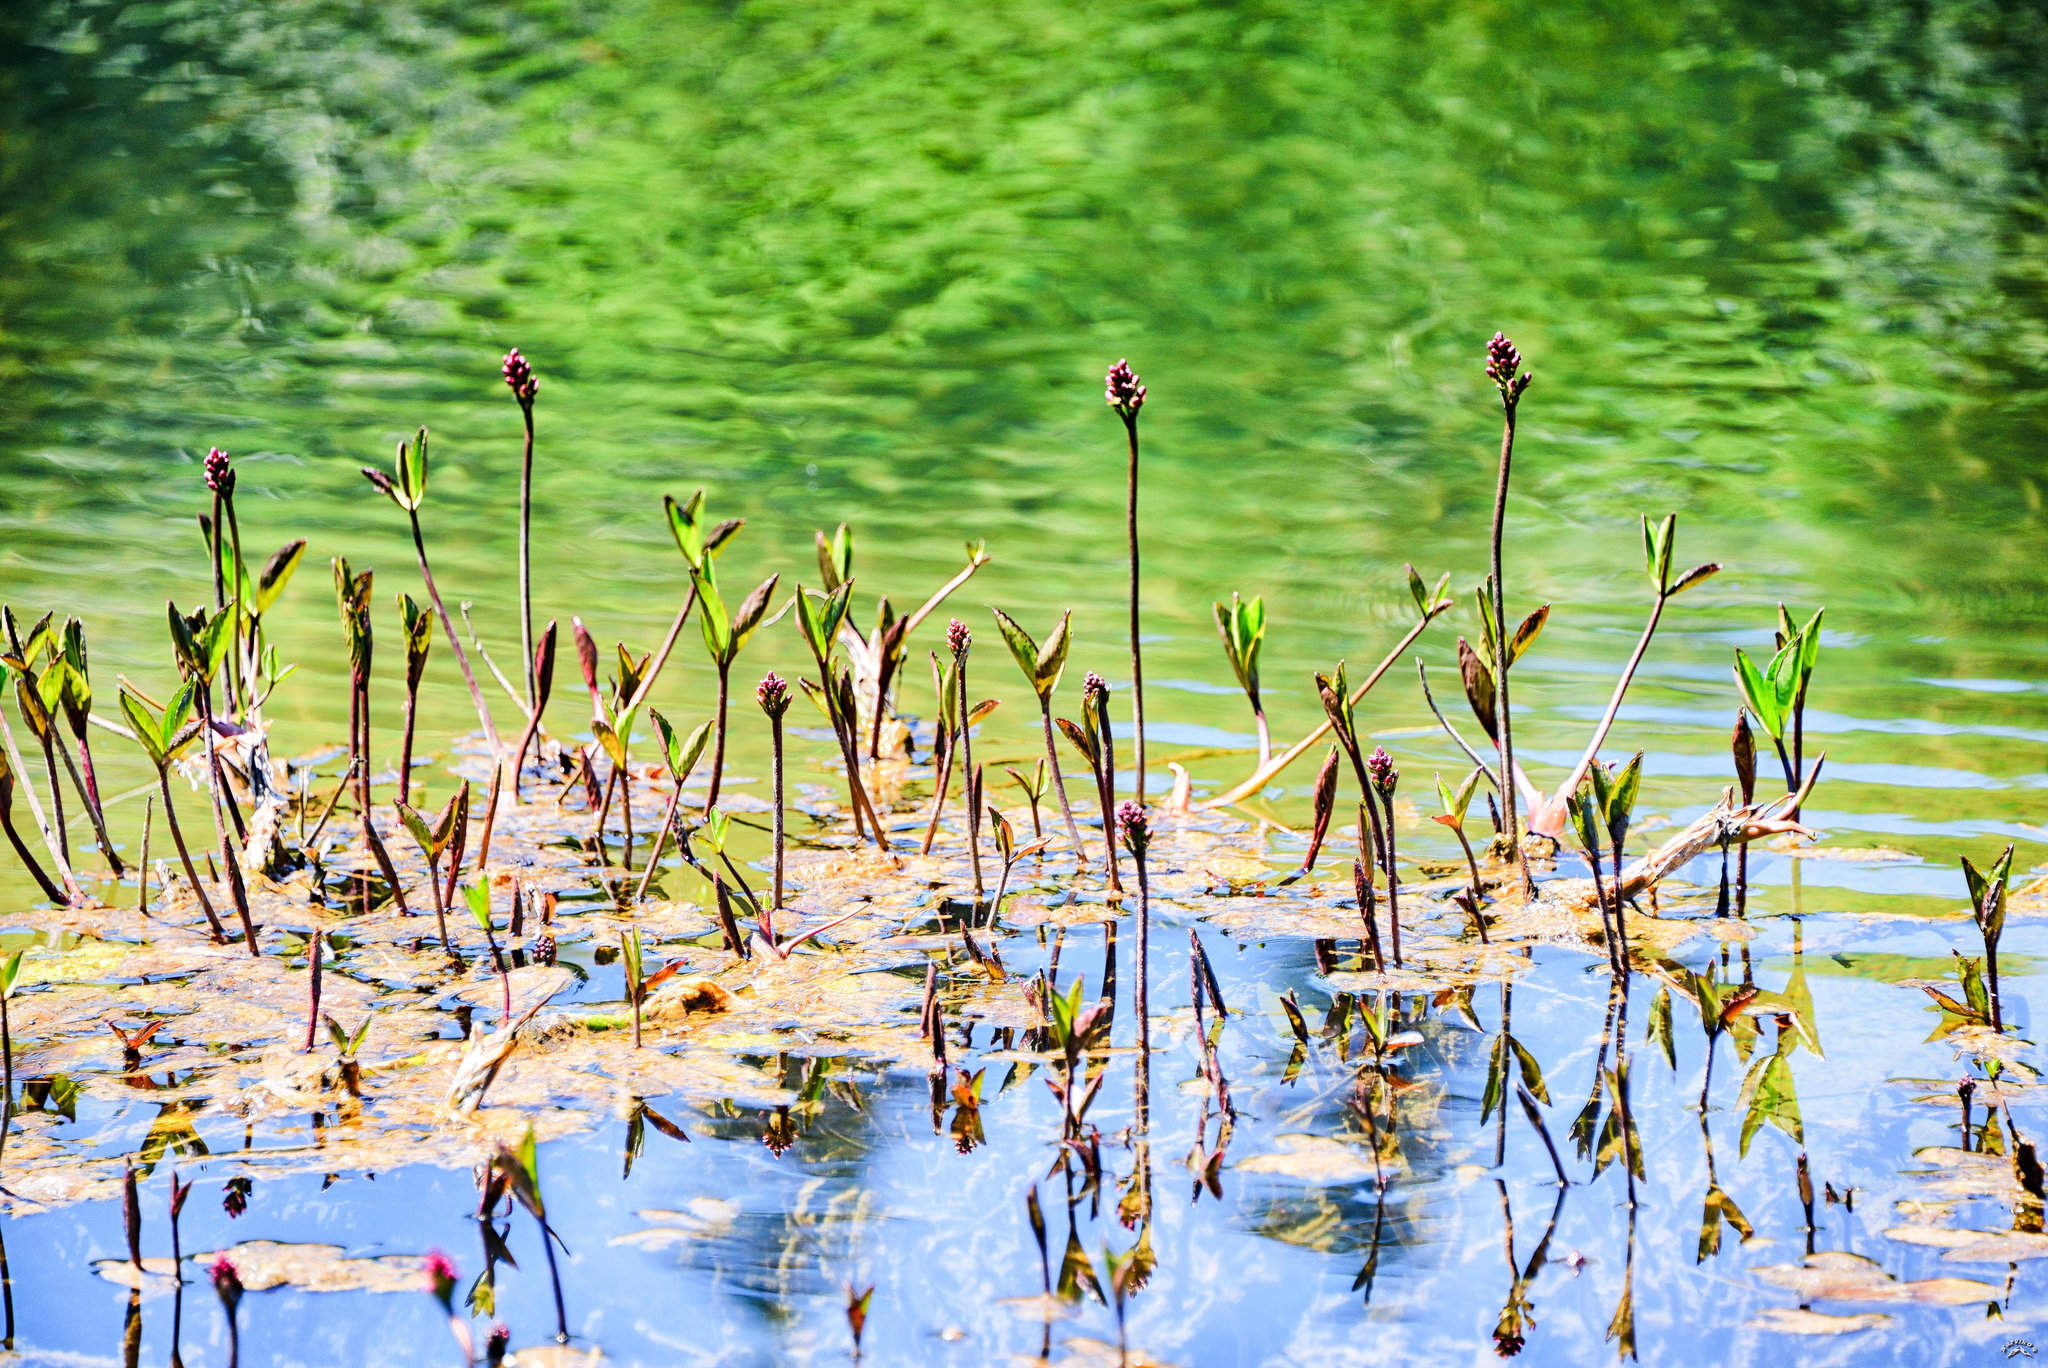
(868,933)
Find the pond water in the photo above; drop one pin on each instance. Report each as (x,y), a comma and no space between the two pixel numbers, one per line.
(1779,272)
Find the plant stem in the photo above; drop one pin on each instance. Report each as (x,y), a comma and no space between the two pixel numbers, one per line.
(525,561)
(476,695)
(220,935)
(6,1060)
(1265,736)
(56,793)
(775,735)
(717,745)
(1621,932)
(668,644)
(944,760)
(1137,660)
(89,790)
(967,773)
(1060,784)
(227,850)
(35,809)
(1500,636)
(1473,864)
(1553,811)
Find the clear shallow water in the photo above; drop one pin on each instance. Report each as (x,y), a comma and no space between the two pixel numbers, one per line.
(1779,276)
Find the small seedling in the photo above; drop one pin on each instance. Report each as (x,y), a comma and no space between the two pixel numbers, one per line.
(1033,790)
(163,738)
(478,896)
(347,1046)
(1453,816)
(682,754)
(1042,667)
(1987,907)
(1243,629)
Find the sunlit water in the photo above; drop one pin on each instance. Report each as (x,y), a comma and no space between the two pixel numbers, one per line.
(1778,273)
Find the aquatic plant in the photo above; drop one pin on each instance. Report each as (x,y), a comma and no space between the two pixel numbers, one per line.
(1776,694)
(542,672)
(202,645)
(525,386)
(1126,396)
(681,755)
(857,1302)
(725,636)
(163,736)
(1455,806)
(1097,746)
(1042,667)
(21,850)
(1033,790)
(1243,629)
(960,641)
(1504,369)
(773,696)
(819,617)
(520,1167)
(416,633)
(1334,692)
(1430,604)
(434,838)
(1011,852)
(1987,908)
(10,975)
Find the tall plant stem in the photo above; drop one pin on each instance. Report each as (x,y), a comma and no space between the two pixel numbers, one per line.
(220,934)
(1060,785)
(245,699)
(775,735)
(236,890)
(1137,655)
(312,991)
(1620,929)
(525,562)
(718,744)
(1512,813)
(6,1062)
(476,695)
(967,774)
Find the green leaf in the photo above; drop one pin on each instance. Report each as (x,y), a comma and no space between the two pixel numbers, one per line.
(422,834)
(145,727)
(412,469)
(478,896)
(1621,801)
(750,612)
(10,974)
(1023,649)
(1657,547)
(1415,588)
(1760,696)
(1659,1031)
(277,573)
(713,619)
(682,754)
(1489,640)
(685,523)
(1052,657)
(1525,635)
(613,744)
(1532,1073)
(1699,574)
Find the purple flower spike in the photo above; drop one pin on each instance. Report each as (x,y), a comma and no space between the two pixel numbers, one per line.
(1123,392)
(220,476)
(1130,820)
(773,694)
(497,1344)
(958,638)
(1379,767)
(519,375)
(1504,368)
(1094,688)
(441,1279)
